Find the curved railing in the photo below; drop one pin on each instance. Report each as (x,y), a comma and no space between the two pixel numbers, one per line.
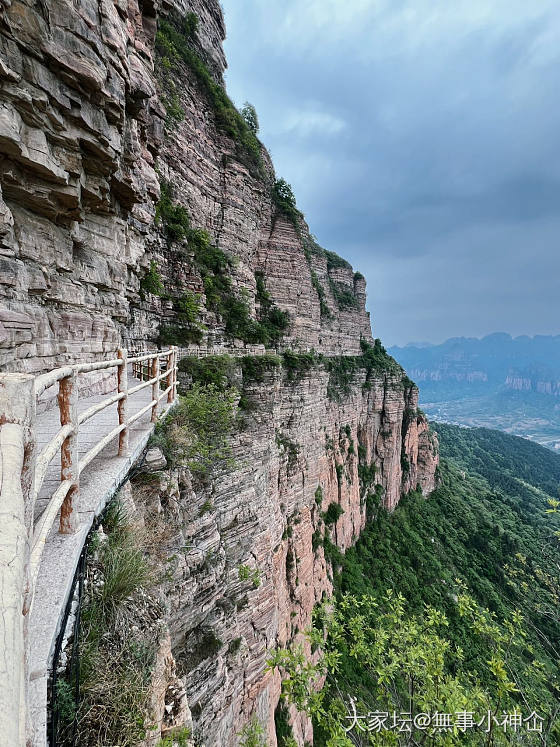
(63,499)
(23,474)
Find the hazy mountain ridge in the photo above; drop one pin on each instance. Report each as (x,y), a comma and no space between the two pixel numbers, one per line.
(499,381)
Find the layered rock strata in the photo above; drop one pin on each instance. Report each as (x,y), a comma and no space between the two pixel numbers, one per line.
(246,552)
(88,110)
(81,126)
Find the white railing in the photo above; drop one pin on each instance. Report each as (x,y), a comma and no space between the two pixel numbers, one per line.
(22,475)
(66,440)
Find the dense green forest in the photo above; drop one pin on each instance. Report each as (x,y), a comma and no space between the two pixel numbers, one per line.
(472,620)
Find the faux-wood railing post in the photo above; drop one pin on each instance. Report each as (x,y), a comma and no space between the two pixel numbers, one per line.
(69,466)
(175,356)
(122,406)
(155,386)
(169,378)
(17,469)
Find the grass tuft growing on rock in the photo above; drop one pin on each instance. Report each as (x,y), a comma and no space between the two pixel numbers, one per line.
(115,666)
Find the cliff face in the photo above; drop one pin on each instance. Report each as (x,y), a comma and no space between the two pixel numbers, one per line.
(296,454)
(78,140)
(539,382)
(81,126)
(90,107)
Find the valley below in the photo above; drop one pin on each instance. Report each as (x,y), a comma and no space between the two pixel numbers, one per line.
(509,414)
(502,382)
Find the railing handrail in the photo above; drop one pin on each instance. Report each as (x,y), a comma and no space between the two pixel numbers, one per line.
(50,378)
(63,498)
(24,472)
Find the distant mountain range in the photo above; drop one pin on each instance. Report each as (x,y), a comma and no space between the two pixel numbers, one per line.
(499,381)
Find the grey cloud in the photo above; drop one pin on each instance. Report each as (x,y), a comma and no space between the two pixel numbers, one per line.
(445,155)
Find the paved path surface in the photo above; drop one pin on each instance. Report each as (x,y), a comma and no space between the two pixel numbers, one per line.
(98,482)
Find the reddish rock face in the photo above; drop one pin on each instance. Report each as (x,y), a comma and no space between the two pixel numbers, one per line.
(297,452)
(82,127)
(82,131)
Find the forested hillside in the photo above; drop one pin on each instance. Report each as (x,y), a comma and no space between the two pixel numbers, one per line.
(479,548)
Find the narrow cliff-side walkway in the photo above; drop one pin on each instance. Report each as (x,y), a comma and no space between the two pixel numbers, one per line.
(98,482)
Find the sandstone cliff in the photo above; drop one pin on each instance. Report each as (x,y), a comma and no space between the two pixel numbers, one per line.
(81,126)
(298,452)
(138,210)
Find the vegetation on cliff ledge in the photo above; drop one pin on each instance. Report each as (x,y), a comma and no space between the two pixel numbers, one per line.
(374,360)
(197,432)
(175,44)
(114,664)
(215,268)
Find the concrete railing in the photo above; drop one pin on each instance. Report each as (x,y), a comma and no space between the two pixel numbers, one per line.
(22,475)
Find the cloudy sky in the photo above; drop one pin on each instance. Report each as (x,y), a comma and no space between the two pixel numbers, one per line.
(422,140)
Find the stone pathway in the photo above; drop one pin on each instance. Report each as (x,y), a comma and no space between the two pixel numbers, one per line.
(98,483)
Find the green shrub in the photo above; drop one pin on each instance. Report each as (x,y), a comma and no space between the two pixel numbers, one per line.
(179,737)
(262,295)
(249,114)
(246,573)
(173,334)
(197,432)
(184,329)
(297,365)
(339,472)
(212,369)
(374,502)
(273,326)
(187,307)
(366,475)
(334,261)
(319,495)
(257,367)
(151,282)
(285,201)
(316,540)
(66,706)
(272,321)
(174,44)
(190,25)
(252,734)
(173,217)
(333,513)
(332,553)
